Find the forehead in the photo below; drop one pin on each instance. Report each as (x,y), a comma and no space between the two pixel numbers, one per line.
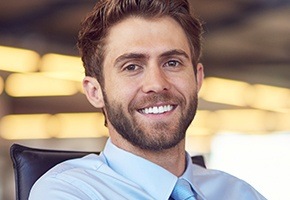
(148,36)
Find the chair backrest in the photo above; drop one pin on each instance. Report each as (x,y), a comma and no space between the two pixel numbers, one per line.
(31,163)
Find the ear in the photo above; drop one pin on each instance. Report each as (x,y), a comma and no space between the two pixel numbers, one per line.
(199,75)
(93,91)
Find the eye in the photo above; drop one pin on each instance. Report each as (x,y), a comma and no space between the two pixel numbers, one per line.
(131,67)
(172,63)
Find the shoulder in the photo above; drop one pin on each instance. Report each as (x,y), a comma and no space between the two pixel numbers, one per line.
(86,163)
(60,181)
(223,185)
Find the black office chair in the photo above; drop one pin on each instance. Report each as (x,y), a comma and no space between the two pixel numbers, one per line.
(31,163)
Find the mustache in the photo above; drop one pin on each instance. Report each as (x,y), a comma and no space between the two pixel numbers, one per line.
(155,98)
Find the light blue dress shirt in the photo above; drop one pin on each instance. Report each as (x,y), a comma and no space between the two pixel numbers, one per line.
(117,174)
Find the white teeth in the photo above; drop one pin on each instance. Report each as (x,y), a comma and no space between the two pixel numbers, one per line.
(157,110)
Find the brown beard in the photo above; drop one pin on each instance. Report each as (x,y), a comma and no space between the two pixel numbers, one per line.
(162,137)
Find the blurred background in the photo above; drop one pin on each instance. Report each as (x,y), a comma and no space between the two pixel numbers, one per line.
(243,122)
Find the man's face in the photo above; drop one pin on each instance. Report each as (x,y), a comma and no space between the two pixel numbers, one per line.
(150,89)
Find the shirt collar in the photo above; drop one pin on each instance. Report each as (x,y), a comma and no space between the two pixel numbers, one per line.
(154,179)
(191,174)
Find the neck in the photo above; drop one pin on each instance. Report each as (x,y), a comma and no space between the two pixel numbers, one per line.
(173,159)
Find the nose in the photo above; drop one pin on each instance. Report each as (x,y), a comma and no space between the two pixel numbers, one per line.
(155,80)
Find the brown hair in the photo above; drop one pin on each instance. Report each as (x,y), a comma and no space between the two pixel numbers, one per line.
(106,13)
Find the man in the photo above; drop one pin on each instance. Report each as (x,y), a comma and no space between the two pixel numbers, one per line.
(141,59)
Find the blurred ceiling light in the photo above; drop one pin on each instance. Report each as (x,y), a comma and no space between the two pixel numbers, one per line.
(1,85)
(281,121)
(271,98)
(81,125)
(16,127)
(18,60)
(202,124)
(225,91)
(91,125)
(245,120)
(35,84)
(199,131)
(198,144)
(62,66)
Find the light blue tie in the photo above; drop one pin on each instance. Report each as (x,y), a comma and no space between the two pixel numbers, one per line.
(182,191)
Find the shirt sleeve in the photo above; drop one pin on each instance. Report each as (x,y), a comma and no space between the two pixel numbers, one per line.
(56,189)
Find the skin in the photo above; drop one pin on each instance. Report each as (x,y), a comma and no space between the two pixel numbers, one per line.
(148,63)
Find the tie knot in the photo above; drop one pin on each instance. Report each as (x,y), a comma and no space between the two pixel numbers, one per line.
(182,191)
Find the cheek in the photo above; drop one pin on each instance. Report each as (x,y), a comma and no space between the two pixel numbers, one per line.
(120,91)
(185,81)
(186,87)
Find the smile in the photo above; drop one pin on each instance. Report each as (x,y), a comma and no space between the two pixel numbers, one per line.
(157,109)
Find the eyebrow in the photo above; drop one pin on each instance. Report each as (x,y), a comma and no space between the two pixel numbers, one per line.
(128,56)
(175,52)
